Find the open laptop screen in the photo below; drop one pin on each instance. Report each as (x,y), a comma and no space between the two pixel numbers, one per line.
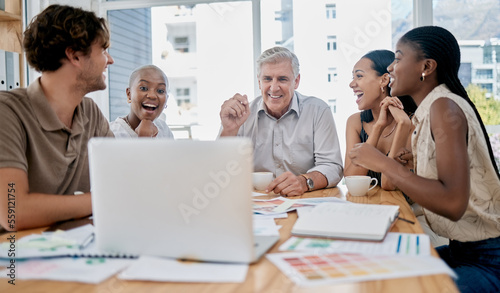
(183,199)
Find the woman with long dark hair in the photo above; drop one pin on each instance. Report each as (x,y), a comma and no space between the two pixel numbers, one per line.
(384,120)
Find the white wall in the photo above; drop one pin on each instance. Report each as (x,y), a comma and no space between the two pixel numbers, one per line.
(217,41)
(362,30)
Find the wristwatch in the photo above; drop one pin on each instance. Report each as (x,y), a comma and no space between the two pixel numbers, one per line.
(309,182)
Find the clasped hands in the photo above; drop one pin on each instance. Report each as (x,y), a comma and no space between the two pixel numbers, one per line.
(146,128)
(369,157)
(391,109)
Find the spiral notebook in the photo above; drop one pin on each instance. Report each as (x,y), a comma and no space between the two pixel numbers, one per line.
(74,242)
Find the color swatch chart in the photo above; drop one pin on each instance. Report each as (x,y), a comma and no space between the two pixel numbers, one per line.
(308,269)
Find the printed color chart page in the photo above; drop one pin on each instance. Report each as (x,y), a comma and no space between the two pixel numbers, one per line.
(309,269)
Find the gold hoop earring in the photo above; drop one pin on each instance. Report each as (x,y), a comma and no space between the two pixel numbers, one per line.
(382,89)
(422,78)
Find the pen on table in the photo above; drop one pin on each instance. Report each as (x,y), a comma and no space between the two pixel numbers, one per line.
(87,241)
(407,221)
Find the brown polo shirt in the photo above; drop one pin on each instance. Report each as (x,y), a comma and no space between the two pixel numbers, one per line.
(32,138)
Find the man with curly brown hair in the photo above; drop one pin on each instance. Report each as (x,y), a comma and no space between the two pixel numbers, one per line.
(46,126)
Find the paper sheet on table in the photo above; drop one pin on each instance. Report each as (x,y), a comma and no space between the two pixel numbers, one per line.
(318,200)
(149,268)
(272,206)
(265,227)
(272,216)
(71,269)
(393,244)
(310,203)
(282,204)
(254,193)
(79,234)
(314,269)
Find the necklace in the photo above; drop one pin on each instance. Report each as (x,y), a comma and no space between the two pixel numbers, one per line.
(390,132)
(126,120)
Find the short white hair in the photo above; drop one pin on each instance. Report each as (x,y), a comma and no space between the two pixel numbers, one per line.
(278,54)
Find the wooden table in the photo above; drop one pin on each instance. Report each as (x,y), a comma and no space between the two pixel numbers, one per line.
(262,276)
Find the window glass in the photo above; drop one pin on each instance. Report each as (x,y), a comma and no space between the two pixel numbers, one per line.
(206,50)
(130,48)
(476,26)
(402,18)
(331,10)
(329,37)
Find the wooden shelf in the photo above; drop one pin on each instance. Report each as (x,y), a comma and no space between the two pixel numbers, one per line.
(11,32)
(6,16)
(11,26)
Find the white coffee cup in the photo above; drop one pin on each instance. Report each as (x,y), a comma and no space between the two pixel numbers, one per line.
(262,179)
(359,185)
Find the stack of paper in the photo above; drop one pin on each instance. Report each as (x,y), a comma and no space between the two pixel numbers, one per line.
(281,204)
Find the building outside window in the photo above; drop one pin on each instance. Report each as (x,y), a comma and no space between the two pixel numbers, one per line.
(484,73)
(209,48)
(332,74)
(479,40)
(181,44)
(331,11)
(486,86)
(333,105)
(331,44)
(183,97)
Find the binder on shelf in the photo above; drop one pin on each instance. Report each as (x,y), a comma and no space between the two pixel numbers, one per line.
(12,70)
(3,71)
(17,73)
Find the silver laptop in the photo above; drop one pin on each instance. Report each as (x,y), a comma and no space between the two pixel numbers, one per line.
(181,199)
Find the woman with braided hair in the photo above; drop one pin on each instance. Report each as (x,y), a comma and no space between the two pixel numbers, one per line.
(456,180)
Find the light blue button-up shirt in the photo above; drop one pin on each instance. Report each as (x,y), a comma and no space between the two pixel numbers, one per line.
(303,140)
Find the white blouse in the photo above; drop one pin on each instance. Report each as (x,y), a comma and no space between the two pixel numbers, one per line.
(121,129)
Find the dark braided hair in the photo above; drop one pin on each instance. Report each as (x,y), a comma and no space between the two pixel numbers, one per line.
(437,43)
(381,59)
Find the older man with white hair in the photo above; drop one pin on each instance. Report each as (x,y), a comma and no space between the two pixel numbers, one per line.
(294,136)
